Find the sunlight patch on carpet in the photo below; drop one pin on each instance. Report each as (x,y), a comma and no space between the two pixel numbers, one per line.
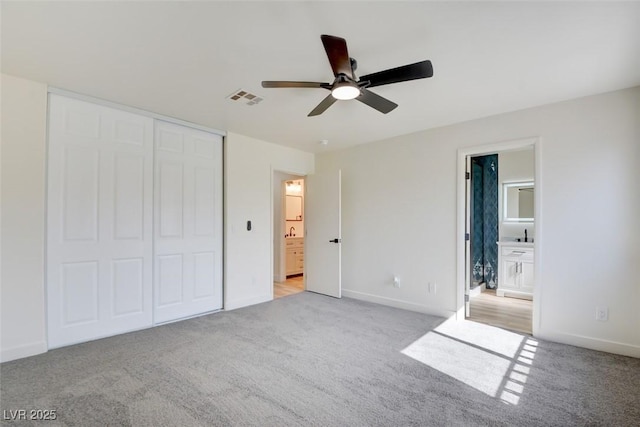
(489,359)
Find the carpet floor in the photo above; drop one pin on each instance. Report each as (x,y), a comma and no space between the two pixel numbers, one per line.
(311,360)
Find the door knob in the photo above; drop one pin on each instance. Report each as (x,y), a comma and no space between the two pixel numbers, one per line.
(335,241)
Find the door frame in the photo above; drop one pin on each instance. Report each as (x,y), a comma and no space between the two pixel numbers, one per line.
(461,265)
(299,175)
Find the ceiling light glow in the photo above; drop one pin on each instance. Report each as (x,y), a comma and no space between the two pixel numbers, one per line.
(345,92)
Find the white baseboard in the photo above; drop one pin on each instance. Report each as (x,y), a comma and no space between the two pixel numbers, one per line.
(591,343)
(476,291)
(22,351)
(398,303)
(514,294)
(232,305)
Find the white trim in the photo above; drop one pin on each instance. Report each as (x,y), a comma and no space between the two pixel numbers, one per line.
(460,210)
(514,294)
(271,229)
(536,319)
(283,274)
(104,102)
(233,305)
(397,303)
(39,347)
(225,221)
(592,343)
(206,313)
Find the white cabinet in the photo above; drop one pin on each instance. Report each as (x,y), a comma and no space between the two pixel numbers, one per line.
(295,255)
(515,276)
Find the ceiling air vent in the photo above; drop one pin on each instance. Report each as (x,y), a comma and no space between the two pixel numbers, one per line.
(245,97)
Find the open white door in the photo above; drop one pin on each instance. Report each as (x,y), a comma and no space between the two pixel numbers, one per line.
(467,237)
(323,252)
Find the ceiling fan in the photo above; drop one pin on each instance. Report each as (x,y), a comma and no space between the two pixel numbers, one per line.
(346,86)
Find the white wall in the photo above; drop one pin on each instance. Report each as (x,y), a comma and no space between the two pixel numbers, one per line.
(248,170)
(249,166)
(514,166)
(399,216)
(22,314)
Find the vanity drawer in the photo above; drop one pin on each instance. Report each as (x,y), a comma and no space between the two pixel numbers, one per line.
(294,243)
(291,243)
(519,254)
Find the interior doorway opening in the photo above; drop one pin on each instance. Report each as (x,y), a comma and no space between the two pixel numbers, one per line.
(288,227)
(498,256)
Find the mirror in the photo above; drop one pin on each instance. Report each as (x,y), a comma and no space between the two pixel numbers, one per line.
(294,208)
(517,201)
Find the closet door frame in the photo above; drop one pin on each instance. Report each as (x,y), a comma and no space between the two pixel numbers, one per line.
(53,221)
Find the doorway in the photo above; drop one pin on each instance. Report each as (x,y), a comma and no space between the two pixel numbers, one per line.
(483,219)
(288,249)
(494,290)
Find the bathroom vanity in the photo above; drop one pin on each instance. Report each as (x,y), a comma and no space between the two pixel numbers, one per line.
(515,276)
(294,255)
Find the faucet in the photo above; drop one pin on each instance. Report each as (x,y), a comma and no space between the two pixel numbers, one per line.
(291,231)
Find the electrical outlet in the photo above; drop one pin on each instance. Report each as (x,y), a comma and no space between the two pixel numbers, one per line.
(431,287)
(396,282)
(602,314)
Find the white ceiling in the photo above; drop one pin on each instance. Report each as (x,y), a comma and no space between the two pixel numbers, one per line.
(183,59)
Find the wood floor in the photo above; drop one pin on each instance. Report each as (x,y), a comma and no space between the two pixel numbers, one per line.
(503,312)
(292,285)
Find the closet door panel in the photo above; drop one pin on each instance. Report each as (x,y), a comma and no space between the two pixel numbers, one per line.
(204,199)
(127,286)
(169,279)
(170,198)
(129,198)
(204,275)
(79,283)
(99,226)
(188,227)
(80,193)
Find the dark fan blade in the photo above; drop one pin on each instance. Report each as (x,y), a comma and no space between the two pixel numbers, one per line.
(295,84)
(376,101)
(338,55)
(321,108)
(419,70)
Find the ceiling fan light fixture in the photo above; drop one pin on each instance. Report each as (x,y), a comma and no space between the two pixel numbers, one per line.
(345,91)
(346,86)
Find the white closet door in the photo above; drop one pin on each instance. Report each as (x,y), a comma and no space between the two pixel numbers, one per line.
(188,222)
(99,229)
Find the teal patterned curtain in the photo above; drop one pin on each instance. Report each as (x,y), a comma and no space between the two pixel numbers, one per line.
(484,220)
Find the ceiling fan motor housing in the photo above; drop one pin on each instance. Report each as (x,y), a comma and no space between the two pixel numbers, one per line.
(354,64)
